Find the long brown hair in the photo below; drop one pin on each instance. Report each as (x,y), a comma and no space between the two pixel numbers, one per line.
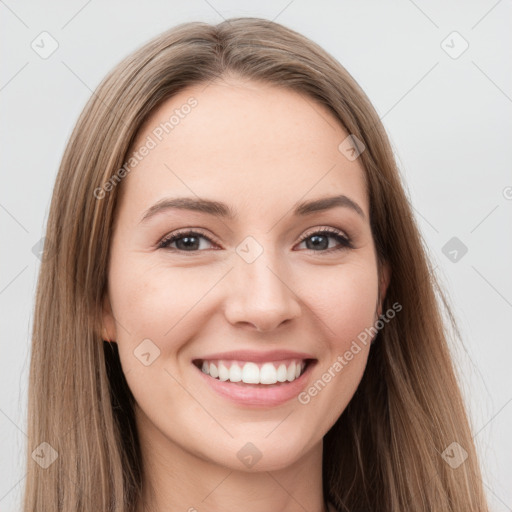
(386,450)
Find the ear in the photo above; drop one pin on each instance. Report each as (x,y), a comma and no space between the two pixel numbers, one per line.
(108,329)
(385,278)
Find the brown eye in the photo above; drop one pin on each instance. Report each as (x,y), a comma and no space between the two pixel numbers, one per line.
(186,241)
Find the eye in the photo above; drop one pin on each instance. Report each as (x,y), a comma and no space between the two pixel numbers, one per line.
(188,241)
(320,240)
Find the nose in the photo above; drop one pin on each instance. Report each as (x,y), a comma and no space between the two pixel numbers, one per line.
(261,294)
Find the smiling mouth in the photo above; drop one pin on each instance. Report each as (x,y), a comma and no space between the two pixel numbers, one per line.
(252,373)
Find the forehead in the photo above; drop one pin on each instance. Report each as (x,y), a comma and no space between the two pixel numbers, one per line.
(244,141)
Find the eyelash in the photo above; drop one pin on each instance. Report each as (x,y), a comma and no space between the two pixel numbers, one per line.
(345,242)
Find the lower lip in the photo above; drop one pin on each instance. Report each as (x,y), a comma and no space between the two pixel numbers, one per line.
(258,395)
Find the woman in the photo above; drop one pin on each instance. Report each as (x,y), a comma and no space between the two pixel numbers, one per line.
(236,310)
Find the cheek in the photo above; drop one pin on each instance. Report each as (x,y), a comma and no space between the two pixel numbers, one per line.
(157,302)
(150,302)
(345,301)
(345,305)
(153,308)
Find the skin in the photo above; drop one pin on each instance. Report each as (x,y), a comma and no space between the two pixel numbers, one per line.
(261,150)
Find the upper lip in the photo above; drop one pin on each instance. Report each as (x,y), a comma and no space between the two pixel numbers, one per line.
(256,355)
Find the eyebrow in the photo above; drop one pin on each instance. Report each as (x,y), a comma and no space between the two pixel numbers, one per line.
(219,209)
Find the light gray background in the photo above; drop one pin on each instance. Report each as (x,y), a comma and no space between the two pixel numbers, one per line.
(448,119)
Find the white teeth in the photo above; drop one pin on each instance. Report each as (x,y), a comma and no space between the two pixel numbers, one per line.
(252,373)
(213,370)
(223,371)
(290,373)
(235,373)
(268,374)
(281,373)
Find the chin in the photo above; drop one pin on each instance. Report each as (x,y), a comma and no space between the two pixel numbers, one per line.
(254,455)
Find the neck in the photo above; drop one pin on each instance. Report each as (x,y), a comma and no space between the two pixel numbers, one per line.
(177,479)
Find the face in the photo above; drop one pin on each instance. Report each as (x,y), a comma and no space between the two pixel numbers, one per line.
(274,291)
